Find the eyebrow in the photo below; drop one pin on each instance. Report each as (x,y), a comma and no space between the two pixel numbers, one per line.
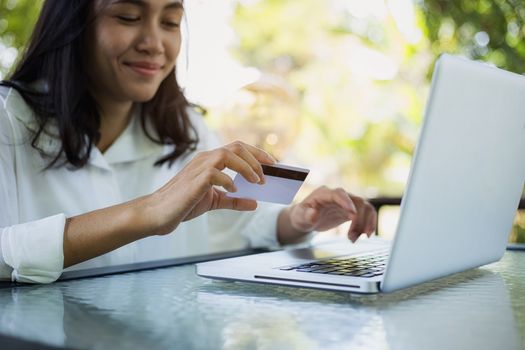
(142,3)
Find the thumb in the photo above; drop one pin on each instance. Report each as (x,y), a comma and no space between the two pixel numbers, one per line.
(241,204)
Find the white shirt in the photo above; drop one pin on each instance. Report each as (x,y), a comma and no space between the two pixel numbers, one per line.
(34,203)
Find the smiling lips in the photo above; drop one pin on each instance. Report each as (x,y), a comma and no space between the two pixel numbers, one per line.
(146,69)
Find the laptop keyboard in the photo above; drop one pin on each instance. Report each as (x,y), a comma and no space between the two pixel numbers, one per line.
(370,265)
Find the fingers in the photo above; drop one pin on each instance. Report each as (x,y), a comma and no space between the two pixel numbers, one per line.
(364,221)
(225,158)
(259,154)
(242,151)
(370,215)
(244,159)
(341,197)
(372,222)
(325,196)
(218,178)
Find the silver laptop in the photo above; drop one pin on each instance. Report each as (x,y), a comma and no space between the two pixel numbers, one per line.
(465,183)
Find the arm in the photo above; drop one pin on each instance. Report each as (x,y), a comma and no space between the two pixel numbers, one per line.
(187,195)
(286,233)
(101,231)
(37,251)
(30,251)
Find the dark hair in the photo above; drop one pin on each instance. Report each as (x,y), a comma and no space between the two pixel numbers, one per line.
(55,57)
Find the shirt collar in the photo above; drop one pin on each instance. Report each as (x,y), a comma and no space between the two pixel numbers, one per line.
(132,144)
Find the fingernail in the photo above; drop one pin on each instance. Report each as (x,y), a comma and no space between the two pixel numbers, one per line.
(272,159)
(256,177)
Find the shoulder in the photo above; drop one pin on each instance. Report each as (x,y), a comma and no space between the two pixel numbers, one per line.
(18,122)
(196,118)
(208,139)
(15,108)
(4,92)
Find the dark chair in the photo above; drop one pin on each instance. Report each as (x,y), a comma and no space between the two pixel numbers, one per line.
(379,202)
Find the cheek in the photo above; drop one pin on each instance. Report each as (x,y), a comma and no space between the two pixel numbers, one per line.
(109,50)
(110,42)
(173,47)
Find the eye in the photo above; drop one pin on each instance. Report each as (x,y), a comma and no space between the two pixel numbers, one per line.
(171,24)
(128,18)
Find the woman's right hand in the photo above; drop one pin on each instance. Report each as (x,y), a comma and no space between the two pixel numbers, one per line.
(191,192)
(188,194)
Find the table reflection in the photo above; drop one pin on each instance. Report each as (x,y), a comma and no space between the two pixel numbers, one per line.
(173,308)
(469,310)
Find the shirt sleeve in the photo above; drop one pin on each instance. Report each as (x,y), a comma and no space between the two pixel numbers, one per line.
(33,251)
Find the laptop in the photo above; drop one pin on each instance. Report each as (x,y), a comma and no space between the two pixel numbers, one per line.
(466,179)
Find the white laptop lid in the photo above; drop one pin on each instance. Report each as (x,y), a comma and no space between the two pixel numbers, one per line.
(467,174)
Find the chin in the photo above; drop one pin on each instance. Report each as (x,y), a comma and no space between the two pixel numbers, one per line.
(143,96)
(142,99)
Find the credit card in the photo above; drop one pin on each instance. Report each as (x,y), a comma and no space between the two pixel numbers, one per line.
(282,184)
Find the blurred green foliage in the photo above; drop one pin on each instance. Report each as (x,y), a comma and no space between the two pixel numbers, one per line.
(17,19)
(350,116)
(365,117)
(491,30)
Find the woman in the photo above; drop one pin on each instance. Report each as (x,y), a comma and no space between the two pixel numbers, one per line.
(101,156)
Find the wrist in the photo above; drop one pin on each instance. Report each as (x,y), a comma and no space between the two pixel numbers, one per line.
(287,233)
(142,216)
(297,219)
(151,216)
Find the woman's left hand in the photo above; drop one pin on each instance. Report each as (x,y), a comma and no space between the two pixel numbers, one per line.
(327,208)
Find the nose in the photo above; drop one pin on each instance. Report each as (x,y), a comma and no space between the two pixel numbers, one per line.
(150,40)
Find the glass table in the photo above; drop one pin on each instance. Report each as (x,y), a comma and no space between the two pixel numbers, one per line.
(172,308)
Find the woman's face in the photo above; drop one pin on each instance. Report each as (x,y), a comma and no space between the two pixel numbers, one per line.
(132,47)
